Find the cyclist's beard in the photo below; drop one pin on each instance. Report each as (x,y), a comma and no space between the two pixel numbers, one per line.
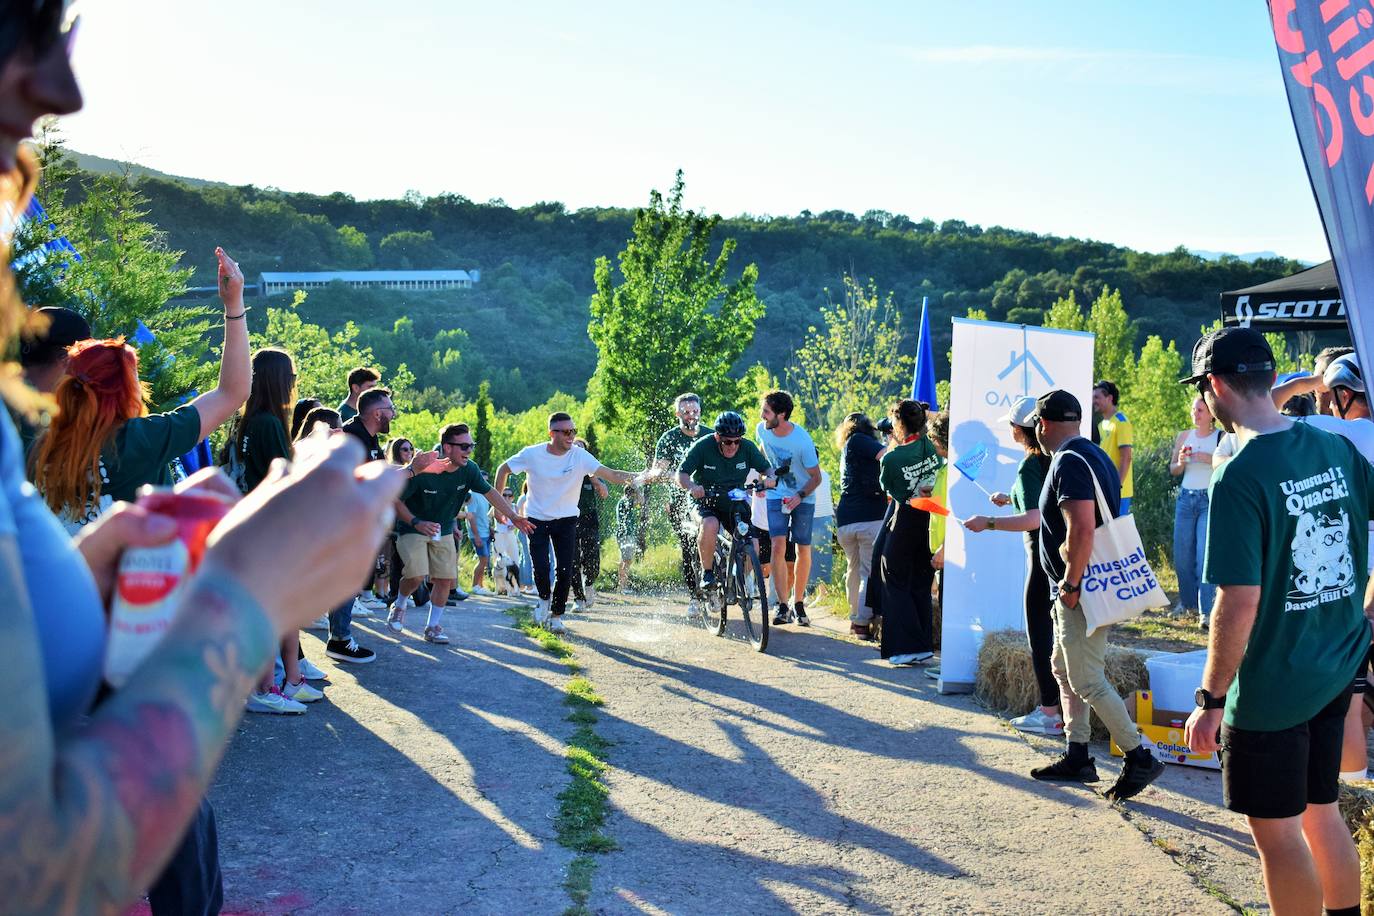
(690,425)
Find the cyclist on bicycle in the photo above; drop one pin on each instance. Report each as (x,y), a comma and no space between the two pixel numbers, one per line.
(713,467)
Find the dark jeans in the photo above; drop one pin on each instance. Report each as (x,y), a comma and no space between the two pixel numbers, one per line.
(191,884)
(562,534)
(680,519)
(873,594)
(1040,625)
(587,557)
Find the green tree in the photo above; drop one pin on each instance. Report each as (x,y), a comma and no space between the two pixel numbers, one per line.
(1066,314)
(323,360)
(125,276)
(593,445)
(1114,332)
(1159,405)
(407,250)
(481,429)
(854,361)
(669,322)
(351,249)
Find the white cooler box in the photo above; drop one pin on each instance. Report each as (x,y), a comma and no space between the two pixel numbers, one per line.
(1174,676)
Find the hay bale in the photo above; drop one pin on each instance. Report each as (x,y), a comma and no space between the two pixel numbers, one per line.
(1356,805)
(1006,679)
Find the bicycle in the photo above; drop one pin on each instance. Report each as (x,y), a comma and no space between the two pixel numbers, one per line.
(739,575)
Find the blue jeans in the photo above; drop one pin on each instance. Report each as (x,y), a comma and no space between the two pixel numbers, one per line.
(822,549)
(526,564)
(341,621)
(1190,541)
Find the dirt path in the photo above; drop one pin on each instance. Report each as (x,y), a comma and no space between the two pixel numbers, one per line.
(812,779)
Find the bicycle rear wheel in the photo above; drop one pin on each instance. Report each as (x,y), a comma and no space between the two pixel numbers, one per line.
(751,590)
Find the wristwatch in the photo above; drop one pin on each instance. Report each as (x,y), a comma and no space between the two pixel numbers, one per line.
(1068,588)
(992,523)
(1204,699)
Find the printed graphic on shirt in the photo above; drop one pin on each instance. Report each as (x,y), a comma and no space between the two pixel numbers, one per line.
(1323,569)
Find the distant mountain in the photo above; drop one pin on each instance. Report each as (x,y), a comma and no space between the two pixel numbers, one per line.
(102,166)
(1249,257)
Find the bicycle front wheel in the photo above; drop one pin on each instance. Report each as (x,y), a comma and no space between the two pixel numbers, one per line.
(751,590)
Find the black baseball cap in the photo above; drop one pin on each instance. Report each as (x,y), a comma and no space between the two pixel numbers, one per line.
(1057,407)
(1230,351)
(38,347)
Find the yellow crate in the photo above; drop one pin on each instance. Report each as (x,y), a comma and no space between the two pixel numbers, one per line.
(1165,738)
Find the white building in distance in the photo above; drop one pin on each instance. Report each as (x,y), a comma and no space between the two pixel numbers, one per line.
(270,284)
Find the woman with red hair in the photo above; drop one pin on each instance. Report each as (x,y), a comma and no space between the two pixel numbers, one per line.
(103,444)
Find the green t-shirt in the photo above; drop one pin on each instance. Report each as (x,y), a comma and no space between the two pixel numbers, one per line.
(1025,492)
(708,467)
(626,522)
(140,453)
(1289,513)
(905,466)
(347,412)
(673,446)
(260,441)
(438,497)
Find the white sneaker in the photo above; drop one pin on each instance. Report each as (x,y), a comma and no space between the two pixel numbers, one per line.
(396,619)
(360,610)
(528,590)
(273,703)
(694,610)
(542,611)
(1036,722)
(302,692)
(575,606)
(590,592)
(320,623)
(310,672)
(481,591)
(555,625)
(373,603)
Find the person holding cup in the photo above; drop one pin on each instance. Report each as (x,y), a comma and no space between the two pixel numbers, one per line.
(1192,460)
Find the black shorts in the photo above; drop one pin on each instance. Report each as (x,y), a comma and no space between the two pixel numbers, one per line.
(1361,682)
(1278,774)
(712,508)
(765,544)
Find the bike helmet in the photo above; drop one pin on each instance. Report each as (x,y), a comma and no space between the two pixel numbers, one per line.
(730,424)
(1344,372)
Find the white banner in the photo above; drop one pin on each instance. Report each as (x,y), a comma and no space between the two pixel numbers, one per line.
(992,365)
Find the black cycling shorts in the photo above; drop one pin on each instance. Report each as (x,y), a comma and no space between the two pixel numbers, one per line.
(1278,774)
(712,507)
(765,544)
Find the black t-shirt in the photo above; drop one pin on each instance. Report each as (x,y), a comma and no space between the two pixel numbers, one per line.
(861,497)
(1069,478)
(355,427)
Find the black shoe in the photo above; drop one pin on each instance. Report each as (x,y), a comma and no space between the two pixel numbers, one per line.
(348,650)
(782,615)
(800,611)
(1135,776)
(708,579)
(1065,769)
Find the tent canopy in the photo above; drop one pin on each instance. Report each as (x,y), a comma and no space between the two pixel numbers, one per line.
(1309,300)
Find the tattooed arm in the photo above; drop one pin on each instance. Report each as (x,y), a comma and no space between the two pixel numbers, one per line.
(89,818)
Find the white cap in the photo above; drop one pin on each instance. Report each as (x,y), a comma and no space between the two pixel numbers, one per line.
(1021,413)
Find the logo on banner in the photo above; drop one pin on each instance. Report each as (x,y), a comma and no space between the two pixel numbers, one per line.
(1244,312)
(1287,310)
(1024,362)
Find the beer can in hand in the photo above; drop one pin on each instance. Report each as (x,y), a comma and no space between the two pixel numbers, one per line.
(152,580)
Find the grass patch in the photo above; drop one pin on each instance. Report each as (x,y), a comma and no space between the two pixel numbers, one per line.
(579,884)
(583,803)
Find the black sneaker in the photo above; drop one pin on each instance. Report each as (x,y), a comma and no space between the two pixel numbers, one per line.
(1065,769)
(800,611)
(708,579)
(348,650)
(1135,776)
(782,615)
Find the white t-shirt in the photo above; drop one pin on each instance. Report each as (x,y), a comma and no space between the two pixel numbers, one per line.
(555,481)
(825,503)
(1360,434)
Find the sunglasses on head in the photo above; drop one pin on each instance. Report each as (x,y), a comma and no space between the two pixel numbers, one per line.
(465,446)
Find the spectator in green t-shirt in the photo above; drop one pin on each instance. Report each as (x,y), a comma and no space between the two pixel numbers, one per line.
(1286,548)
(360,380)
(627,527)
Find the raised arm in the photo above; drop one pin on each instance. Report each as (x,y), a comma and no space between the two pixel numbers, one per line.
(1303,384)
(236,363)
(1176,464)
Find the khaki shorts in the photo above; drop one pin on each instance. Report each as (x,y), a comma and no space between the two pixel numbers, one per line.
(421,556)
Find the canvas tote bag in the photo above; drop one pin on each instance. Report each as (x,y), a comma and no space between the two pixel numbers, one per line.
(1118,583)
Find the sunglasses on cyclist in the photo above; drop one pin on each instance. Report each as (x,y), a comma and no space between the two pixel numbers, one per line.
(734,441)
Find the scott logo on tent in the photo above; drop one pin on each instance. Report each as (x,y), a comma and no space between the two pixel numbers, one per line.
(1025,362)
(1288,310)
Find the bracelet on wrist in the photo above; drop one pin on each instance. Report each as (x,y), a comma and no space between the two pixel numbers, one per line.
(241,315)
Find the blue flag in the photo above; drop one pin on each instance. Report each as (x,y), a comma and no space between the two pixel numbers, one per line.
(970,464)
(923,379)
(1328,71)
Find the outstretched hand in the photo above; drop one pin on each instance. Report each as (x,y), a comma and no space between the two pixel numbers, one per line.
(230,281)
(430,463)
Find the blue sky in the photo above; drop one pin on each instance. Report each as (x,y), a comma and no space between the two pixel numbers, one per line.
(1149,125)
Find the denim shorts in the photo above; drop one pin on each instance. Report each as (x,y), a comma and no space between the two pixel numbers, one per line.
(794,525)
(484,549)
